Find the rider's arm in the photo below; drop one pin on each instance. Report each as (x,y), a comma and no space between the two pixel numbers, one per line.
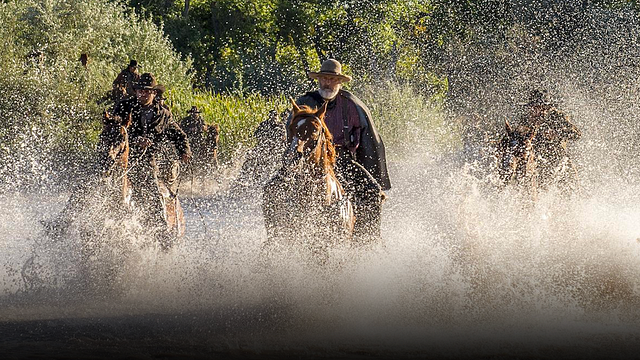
(566,128)
(355,127)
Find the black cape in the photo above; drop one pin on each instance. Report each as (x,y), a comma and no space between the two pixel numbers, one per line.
(370,153)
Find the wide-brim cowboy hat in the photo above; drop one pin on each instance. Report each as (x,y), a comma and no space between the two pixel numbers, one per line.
(148,82)
(538,98)
(331,68)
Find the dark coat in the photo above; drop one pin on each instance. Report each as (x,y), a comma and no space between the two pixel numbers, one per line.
(161,129)
(371,152)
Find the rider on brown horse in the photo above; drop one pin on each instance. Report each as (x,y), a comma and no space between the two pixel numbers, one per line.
(553,131)
(361,164)
(153,137)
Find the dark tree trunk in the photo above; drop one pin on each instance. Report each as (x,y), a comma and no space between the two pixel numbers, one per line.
(185,13)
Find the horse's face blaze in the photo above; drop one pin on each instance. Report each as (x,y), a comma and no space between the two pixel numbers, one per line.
(307,133)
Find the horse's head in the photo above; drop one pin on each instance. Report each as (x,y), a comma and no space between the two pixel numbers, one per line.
(516,149)
(113,144)
(310,139)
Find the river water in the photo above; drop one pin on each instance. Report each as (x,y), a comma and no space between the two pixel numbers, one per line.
(463,271)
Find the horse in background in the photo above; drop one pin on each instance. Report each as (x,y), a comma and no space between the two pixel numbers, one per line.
(304,202)
(517,159)
(203,139)
(263,160)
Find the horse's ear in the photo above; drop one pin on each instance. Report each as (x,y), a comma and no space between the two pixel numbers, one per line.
(322,110)
(127,120)
(296,108)
(508,127)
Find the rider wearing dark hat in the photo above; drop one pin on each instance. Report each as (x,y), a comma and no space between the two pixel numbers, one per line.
(123,84)
(553,131)
(156,142)
(203,139)
(361,154)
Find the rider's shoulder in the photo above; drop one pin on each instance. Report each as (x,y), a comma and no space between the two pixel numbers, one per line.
(557,114)
(359,104)
(162,109)
(350,96)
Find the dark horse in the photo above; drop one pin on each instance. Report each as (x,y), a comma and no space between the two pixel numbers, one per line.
(304,202)
(106,185)
(517,159)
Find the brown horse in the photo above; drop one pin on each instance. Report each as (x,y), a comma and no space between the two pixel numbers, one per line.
(517,159)
(304,202)
(107,190)
(113,156)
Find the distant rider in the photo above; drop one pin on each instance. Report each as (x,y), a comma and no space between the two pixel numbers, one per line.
(553,130)
(123,84)
(203,139)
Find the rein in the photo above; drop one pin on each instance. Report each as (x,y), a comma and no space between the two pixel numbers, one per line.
(193,200)
(132,165)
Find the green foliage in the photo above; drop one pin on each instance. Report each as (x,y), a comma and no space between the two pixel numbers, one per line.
(48,100)
(406,119)
(238,115)
(268,46)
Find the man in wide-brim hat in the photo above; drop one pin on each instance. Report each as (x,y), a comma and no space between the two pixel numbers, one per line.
(148,82)
(153,136)
(361,154)
(330,68)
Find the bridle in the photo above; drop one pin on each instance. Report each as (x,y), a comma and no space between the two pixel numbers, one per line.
(320,138)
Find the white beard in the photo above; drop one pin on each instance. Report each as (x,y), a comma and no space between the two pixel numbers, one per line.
(328,94)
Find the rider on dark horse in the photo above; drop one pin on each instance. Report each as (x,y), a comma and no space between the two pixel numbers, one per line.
(553,131)
(154,138)
(123,84)
(203,139)
(361,164)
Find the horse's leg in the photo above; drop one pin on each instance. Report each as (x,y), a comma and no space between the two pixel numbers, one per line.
(276,218)
(366,195)
(147,196)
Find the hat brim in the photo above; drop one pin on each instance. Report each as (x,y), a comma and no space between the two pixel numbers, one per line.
(159,88)
(316,75)
(534,103)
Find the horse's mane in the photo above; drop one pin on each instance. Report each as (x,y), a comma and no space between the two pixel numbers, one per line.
(328,150)
(113,119)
